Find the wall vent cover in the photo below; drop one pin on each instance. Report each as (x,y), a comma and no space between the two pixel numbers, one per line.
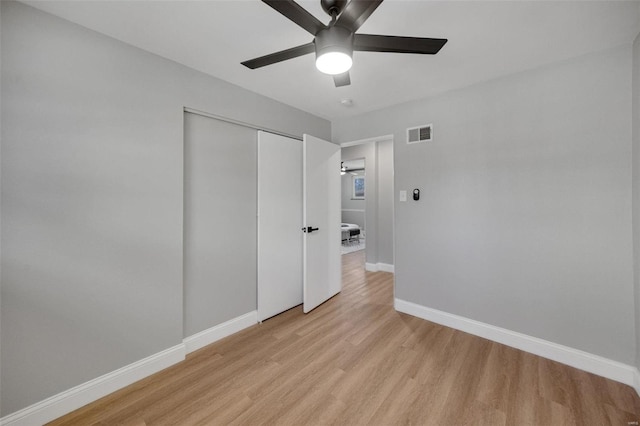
(418,134)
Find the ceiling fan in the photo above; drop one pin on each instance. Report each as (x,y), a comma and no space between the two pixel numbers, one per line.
(352,171)
(334,43)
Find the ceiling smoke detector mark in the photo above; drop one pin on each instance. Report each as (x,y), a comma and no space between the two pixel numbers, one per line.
(419,134)
(346,102)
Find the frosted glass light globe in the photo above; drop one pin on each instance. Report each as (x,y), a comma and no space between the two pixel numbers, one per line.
(334,63)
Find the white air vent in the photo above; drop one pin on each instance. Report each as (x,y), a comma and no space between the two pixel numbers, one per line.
(420,134)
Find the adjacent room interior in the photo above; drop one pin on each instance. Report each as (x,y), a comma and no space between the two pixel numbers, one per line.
(353,227)
(162,247)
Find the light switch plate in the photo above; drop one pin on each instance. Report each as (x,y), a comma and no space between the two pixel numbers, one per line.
(403,195)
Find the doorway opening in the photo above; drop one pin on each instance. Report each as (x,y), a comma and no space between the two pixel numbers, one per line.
(353,226)
(376,157)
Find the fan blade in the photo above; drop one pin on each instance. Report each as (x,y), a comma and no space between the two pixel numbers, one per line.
(297,14)
(356,12)
(397,44)
(342,79)
(283,55)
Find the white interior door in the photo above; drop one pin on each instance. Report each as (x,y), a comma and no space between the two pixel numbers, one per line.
(322,276)
(279,224)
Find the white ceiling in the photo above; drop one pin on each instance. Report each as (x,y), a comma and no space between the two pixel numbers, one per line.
(486,40)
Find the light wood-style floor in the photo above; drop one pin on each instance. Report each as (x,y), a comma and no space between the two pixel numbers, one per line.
(354,360)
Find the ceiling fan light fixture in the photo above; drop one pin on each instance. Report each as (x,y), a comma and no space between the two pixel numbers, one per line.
(335,42)
(334,48)
(334,63)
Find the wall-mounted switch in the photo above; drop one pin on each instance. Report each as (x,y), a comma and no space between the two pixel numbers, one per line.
(403,196)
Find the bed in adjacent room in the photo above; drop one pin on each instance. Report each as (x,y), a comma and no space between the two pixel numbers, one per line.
(350,232)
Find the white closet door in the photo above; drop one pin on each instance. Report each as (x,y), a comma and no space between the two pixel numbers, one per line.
(279,224)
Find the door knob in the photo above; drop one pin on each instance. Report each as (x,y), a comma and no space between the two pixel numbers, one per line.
(309,229)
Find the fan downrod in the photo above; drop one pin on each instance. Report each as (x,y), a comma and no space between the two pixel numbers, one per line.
(333,7)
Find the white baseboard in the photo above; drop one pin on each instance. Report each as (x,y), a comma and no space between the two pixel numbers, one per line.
(220,331)
(595,364)
(385,267)
(375,267)
(76,397)
(636,380)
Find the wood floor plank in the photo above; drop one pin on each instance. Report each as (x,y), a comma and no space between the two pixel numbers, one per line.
(355,360)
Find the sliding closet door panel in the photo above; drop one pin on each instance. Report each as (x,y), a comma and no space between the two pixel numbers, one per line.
(279,224)
(219,222)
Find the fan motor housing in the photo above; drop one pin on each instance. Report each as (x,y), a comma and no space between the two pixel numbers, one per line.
(333,7)
(334,39)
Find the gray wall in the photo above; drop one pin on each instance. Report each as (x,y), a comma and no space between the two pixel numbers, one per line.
(385,202)
(0,221)
(636,187)
(220,229)
(525,216)
(355,217)
(92,198)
